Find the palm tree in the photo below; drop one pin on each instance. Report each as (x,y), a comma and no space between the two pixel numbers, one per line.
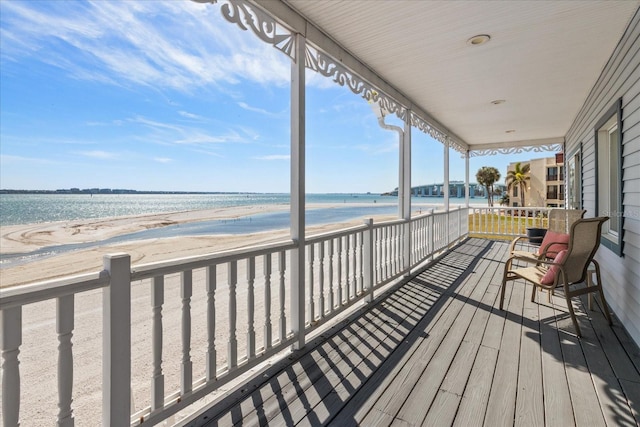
(519,177)
(504,199)
(487,176)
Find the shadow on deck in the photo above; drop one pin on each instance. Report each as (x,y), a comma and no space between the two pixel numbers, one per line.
(438,351)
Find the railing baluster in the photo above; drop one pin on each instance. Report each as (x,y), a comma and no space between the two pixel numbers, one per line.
(378,258)
(157,381)
(64,329)
(281,269)
(347,261)
(331,290)
(354,265)
(339,281)
(389,254)
(267,301)
(493,220)
(395,252)
(251,331)
(311,296)
(10,341)
(211,280)
(385,252)
(232,280)
(321,307)
(367,264)
(432,235)
(360,261)
(185,293)
(473,220)
(512,222)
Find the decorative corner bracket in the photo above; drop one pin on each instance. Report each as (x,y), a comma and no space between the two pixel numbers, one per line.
(246,16)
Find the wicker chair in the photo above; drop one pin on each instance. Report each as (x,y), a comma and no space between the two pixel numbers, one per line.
(560,221)
(570,267)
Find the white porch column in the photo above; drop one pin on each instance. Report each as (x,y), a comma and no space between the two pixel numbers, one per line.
(298,192)
(445,187)
(405,173)
(466,178)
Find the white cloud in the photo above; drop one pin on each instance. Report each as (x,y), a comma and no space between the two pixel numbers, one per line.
(163,160)
(171,133)
(248,107)
(191,116)
(179,45)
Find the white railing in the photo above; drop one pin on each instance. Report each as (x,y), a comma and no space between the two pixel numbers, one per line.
(242,305)
(505,222)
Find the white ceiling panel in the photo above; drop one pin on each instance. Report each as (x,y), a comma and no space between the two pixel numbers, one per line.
(543,57)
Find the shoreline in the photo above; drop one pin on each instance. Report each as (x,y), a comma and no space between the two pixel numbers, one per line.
(23,239)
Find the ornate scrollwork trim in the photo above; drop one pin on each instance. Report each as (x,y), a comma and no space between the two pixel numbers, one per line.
(515,150)
(325,65)
(424,126)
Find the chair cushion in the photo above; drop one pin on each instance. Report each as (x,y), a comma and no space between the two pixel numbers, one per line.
(557,242)
(550,275)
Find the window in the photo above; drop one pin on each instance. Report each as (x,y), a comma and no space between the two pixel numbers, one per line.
(608,135)
(574,180)
(515,191)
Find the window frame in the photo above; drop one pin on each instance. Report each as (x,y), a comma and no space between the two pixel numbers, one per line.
(574,184)
(610,240)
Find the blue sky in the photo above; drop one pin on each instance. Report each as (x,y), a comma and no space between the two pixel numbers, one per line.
(151,95)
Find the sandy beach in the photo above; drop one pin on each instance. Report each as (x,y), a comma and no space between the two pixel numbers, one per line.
(27,238)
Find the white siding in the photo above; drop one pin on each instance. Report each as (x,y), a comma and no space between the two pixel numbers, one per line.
(620,78)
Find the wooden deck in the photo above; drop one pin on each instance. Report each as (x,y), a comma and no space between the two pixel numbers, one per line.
(437,351)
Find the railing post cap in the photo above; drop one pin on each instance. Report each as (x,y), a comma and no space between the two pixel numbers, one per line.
(117,255)
(368,221)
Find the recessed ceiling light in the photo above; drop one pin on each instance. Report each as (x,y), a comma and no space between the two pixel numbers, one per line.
(498,101)
(479,39)
(510,131)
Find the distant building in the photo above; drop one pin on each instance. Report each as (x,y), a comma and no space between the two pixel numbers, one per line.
(456,189)
(546,183)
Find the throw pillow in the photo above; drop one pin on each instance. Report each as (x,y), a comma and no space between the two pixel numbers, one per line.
(553,243)
(550,275)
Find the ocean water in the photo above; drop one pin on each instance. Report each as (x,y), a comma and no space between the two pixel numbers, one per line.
(18,209)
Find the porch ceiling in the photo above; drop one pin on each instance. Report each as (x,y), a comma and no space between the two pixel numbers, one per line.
(543,58)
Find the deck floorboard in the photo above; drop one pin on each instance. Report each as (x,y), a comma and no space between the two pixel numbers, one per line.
(438,351)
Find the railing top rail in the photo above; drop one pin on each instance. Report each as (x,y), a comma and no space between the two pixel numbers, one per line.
(390,223)
(144,271)
(335,234)
(41,291)
(514,208)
